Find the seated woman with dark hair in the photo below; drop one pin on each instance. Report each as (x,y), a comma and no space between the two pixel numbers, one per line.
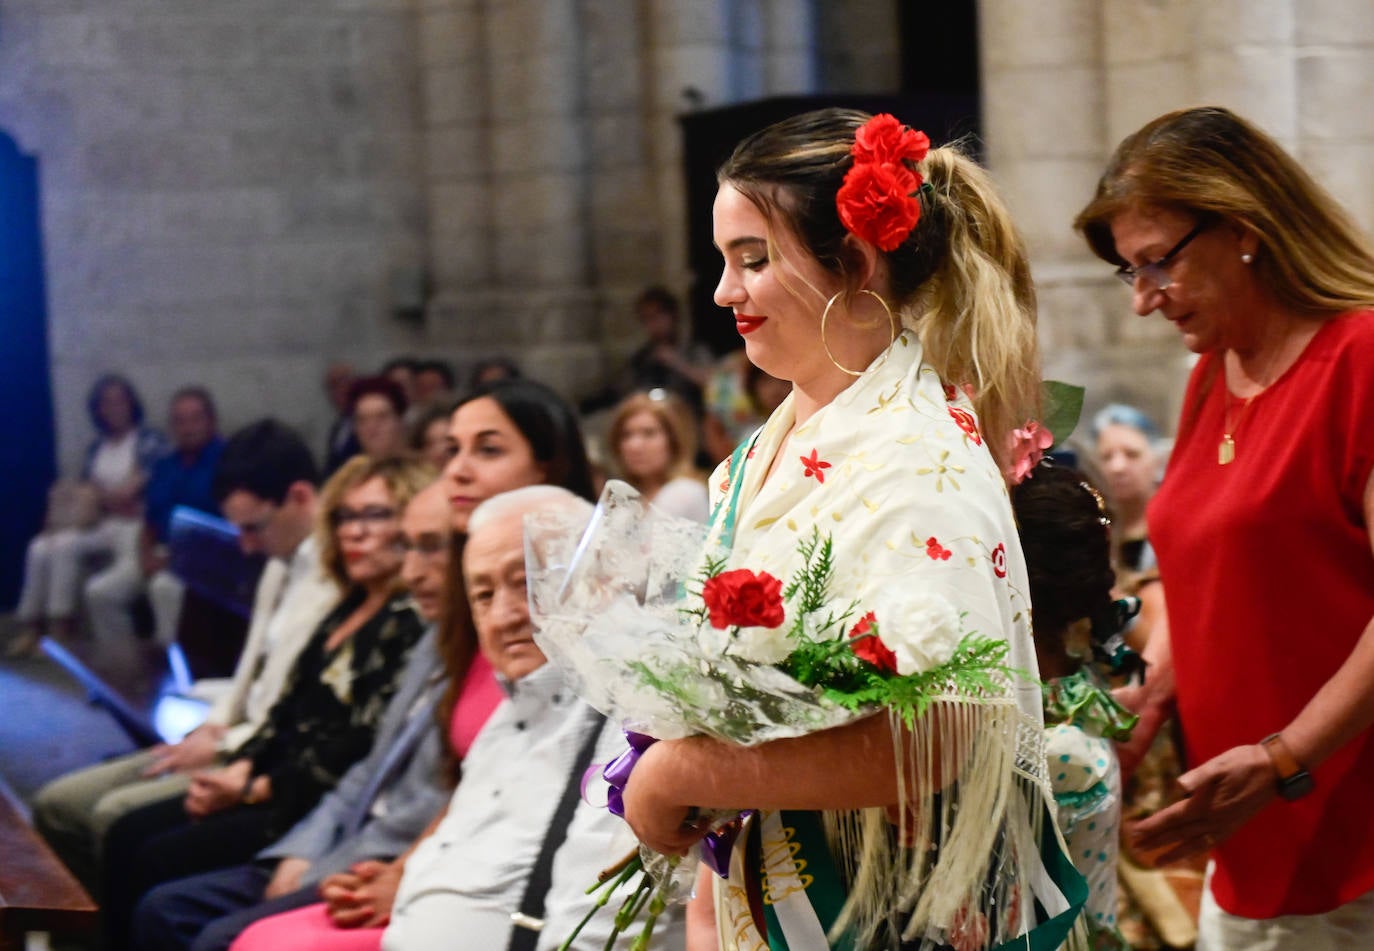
(98,514)
(377,406)
(324,721)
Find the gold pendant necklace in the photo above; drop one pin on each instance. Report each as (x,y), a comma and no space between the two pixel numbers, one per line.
(1273,369)
(1226,452)
(1226,449)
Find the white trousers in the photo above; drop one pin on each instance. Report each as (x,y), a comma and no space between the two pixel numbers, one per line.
(1347,928)
(166,593)
(56,563)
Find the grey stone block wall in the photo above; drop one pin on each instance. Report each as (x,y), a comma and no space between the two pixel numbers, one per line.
(226,192)
(237,193)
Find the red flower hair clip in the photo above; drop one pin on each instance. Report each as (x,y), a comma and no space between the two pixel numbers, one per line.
(877,201)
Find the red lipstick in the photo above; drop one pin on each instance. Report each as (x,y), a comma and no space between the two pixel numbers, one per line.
(748,323)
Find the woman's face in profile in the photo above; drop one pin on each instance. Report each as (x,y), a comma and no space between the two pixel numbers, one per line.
(488,455)
(781,330)
(1210,293)
(645,450)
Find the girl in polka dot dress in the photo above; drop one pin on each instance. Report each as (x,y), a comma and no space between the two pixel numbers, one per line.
(1064,532)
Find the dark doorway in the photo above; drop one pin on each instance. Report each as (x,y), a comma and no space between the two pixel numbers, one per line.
(26,452)
(938,90)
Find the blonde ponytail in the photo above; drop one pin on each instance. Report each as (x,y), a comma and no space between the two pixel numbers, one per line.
(976,313)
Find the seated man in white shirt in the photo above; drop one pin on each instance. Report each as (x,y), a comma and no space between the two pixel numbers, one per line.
(265,484)
(463,883)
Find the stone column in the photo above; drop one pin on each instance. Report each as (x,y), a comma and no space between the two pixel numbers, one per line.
(1334,68)
(700,54)
(454,94)
(526,290)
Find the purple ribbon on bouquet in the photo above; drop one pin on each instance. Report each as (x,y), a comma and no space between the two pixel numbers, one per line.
(715,847)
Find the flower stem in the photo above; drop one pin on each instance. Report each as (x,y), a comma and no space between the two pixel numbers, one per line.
(629,908)
(607,874)
(626,868)
(656,906)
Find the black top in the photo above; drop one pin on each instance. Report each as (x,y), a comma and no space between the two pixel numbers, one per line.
(329,709)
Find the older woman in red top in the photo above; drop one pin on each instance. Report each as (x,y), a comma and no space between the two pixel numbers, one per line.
(1263,524)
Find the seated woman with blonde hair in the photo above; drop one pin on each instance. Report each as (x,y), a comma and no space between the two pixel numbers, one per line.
(653,443)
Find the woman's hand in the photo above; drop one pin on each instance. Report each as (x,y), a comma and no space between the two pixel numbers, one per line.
(363,896)
(652,809)
(216,789)
(195,751)
(1224,793)
(287,877)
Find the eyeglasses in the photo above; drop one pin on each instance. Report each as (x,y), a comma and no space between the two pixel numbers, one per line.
(257,526)
(374,516)
(1157,271)
(428,547)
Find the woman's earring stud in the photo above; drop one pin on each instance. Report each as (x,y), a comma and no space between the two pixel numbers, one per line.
(1247,257)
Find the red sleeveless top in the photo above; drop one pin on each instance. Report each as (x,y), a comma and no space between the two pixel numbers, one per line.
(1269,579)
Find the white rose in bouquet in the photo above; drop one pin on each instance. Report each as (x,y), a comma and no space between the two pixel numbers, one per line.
(761,645)
(921,628)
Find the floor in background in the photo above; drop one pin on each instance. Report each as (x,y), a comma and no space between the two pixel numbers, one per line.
(48,728)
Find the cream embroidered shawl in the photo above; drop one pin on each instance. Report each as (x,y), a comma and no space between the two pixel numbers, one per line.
(895,470)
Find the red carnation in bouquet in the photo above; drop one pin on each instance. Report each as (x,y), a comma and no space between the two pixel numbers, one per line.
(741,598)
(868,646)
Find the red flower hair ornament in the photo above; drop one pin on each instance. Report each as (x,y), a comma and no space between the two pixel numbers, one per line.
(878,199)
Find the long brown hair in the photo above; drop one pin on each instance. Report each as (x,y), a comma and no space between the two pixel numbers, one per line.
(455,642)
(1209,162)
(675,418)
(961,279)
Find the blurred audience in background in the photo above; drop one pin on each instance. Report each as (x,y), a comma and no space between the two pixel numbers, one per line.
(92,520)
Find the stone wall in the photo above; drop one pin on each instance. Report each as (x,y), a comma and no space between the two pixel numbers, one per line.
(237,193)
(227,192)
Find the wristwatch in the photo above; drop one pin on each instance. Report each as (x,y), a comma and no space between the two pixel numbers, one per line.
(1294,782)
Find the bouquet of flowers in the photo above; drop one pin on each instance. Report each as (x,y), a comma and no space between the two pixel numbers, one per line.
(651,628)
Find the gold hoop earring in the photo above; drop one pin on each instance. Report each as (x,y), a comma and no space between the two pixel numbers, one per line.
(892,323)
(825,314)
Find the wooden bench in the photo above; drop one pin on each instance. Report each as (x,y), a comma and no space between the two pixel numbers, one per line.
(37,893)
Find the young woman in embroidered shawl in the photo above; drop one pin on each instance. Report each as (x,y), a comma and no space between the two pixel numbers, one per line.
(886,303)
